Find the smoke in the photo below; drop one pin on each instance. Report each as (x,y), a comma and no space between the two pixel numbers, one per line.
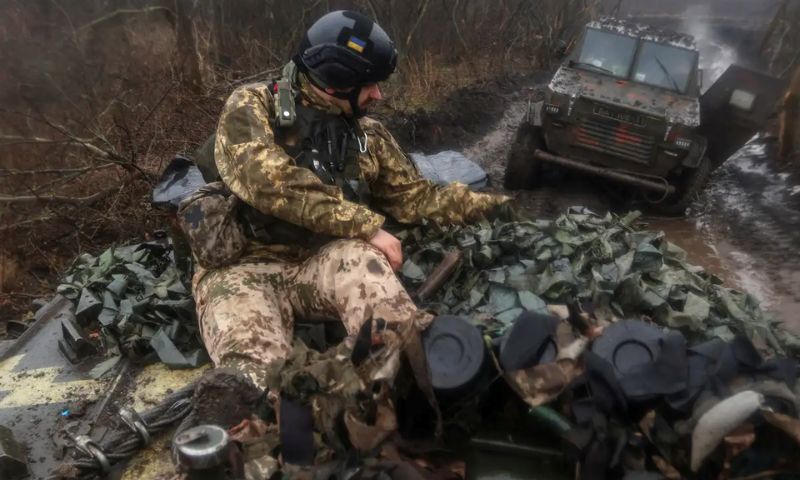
(715,55)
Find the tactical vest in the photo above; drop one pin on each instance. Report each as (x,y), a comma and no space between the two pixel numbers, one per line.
(326,144)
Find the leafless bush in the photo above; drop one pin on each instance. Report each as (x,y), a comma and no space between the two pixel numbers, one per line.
(96,95)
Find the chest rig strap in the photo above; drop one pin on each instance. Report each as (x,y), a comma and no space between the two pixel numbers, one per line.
(329,146)
(326,144)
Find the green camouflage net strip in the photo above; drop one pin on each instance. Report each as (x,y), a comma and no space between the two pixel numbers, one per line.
(144,309)
(604,261)
(137,298)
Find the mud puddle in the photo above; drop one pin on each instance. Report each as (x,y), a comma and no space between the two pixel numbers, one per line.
(745,229)
(752,212)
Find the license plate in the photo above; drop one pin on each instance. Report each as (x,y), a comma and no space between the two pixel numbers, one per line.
(626,117)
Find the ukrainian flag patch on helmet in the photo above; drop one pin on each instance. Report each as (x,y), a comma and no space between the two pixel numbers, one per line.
(356,44)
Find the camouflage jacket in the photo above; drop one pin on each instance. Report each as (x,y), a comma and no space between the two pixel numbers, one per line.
(260,173)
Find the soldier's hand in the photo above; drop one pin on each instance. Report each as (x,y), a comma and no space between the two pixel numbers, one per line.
(390,246)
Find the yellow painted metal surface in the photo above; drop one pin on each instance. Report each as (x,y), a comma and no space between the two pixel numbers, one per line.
(157,381)
(37,386)
(152,463)
(150,387)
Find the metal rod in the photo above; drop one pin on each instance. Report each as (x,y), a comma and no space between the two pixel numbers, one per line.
(111,390)
(515,449)
(606,172)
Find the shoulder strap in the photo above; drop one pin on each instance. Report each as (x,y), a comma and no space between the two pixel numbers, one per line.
(284,97)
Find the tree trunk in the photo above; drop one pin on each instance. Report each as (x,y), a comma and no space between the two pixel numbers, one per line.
(188,58)
(789,139)
(780,14)
(218,26)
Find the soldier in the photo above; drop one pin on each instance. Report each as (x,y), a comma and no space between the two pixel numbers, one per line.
(294,228)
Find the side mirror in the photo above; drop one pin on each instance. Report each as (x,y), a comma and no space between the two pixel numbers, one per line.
(560,49)
(700,78)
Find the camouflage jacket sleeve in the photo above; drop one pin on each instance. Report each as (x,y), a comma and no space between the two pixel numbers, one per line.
(261,174)
(400,190)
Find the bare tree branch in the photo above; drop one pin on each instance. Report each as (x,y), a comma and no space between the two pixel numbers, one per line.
(458,30)
(51,171)
(188,58)
(254,76)
(373,10)
(420,14)
(29,221)
(81,201)
(71,140)
(127,11)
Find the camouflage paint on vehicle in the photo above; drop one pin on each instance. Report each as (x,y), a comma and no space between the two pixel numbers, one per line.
(619,123)
(615,109)
(673,108)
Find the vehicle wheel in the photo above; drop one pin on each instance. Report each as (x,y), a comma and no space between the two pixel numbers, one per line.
(522,169)
(688,185)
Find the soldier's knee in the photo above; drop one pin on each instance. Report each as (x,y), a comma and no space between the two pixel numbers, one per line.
(358,256)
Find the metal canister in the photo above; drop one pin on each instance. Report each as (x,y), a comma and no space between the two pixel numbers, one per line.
(205,452)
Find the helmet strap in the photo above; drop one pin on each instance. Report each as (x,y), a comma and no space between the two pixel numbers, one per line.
(352,99)
(351,96)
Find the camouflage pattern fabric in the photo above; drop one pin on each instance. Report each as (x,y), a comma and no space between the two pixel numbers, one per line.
(542,383)
(247,310)
(246,307)
(263,175)
(208,219)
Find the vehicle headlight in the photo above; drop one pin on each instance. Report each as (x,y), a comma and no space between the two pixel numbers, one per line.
(683,143)
(552,109)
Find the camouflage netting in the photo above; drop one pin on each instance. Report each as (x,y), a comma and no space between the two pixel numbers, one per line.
(605,262)
(137,300)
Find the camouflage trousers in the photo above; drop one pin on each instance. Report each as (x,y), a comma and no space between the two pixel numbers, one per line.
(247,311)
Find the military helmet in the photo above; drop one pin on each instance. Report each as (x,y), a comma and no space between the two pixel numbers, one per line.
(345,49)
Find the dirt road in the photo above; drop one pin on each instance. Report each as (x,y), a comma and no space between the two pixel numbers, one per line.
(745,228)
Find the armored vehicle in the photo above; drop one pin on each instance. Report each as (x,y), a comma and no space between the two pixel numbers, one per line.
(626,105)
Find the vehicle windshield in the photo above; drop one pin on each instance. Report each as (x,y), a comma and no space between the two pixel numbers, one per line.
(607,52)
(664,66)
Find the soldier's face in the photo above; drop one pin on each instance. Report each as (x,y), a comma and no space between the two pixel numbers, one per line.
(369,94)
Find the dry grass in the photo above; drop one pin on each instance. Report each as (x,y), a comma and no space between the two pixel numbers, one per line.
(92,106)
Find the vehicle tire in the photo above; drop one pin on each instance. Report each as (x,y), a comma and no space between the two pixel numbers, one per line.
(522,169)
(689,185)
